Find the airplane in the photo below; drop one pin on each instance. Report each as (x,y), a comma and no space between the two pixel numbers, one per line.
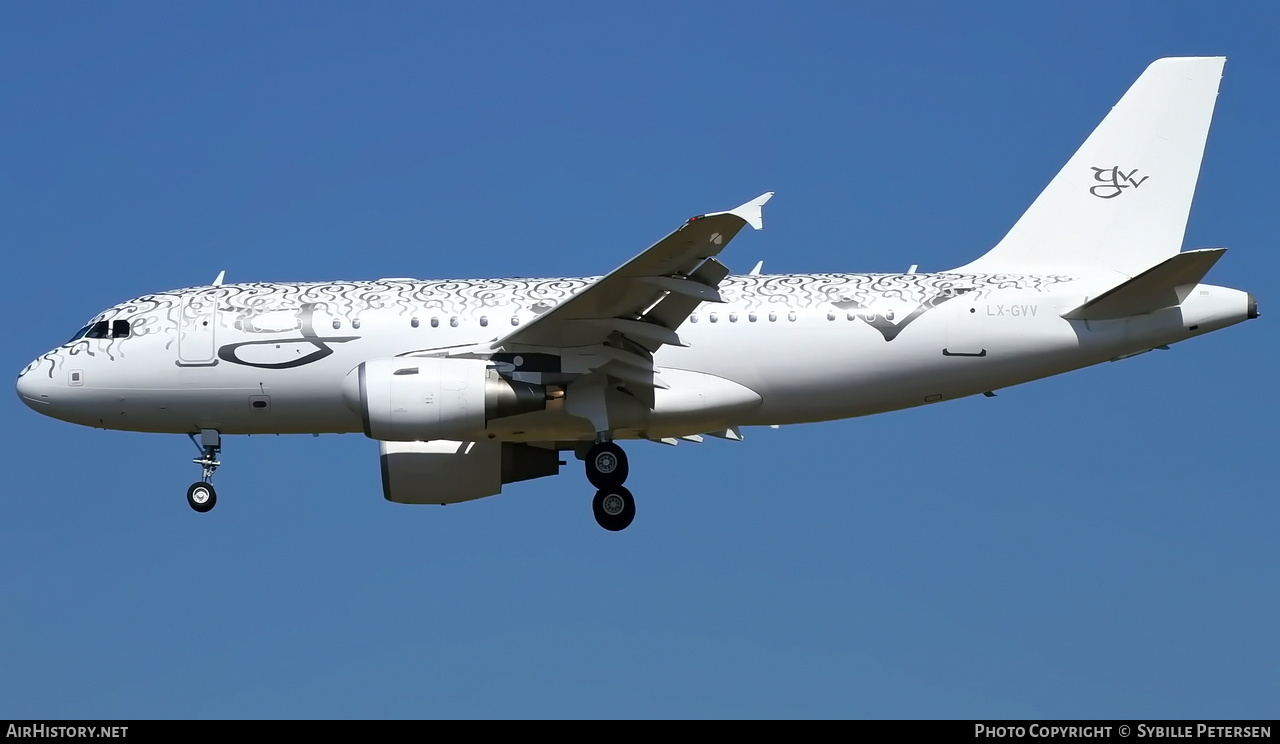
(470,385)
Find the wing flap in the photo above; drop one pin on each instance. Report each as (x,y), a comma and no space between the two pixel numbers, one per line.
(686,287)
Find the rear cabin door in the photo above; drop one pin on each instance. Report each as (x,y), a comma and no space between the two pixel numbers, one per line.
(964,328)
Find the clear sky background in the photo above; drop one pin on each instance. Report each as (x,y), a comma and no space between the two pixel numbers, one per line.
(1101,544)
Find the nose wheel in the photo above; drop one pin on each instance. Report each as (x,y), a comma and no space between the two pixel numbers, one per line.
(613,505)
(201,496)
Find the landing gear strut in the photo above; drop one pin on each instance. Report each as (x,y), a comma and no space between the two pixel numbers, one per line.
(613,505)
(201,496)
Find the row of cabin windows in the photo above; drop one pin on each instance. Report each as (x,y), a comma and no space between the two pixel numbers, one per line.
(120,328)
(733,317)
(103,329)
(773,317)
(454,322)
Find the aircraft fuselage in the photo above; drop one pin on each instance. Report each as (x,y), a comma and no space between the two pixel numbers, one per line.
(273,358)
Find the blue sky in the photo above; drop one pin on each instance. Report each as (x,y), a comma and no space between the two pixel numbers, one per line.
(1100,544)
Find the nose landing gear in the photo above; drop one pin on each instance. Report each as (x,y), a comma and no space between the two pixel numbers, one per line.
(201,496)
(613,505)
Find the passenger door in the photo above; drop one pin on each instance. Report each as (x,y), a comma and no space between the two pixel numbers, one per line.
(196,325)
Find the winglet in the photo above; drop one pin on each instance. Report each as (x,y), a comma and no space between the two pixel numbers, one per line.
(221,275)
(751,212)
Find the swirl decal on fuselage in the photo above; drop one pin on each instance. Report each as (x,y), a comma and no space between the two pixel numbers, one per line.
(885,324)
(230,352)
(886,302)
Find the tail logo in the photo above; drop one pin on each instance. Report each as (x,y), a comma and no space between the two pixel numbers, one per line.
(1113,181)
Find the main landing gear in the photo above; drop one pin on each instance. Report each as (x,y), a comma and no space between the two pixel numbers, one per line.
(613,505)
(201,496)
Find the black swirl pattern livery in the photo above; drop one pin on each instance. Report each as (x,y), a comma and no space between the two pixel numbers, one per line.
(238,305)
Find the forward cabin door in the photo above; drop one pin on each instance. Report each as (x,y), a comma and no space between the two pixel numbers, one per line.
(196,326)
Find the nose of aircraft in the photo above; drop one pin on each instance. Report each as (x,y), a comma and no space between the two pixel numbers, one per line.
(34,390)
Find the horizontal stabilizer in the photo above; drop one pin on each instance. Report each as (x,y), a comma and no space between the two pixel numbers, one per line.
(1165,285)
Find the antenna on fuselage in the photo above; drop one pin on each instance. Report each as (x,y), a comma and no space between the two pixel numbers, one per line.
(218,282)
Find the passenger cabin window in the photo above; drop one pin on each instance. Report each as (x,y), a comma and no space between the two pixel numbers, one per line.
(435,322)
(413,322)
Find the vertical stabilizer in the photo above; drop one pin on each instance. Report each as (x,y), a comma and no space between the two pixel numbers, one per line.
(1122,200)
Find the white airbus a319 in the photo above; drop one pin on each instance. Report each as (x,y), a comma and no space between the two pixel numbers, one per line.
(470,385)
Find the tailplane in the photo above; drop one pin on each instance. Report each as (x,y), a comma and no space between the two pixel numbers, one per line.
(1121,202)
(1164,285)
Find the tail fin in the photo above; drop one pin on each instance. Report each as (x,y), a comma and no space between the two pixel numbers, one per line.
(1121,202)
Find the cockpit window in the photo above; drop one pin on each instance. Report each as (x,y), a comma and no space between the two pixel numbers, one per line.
(79,334)
(93,330)
(103,329)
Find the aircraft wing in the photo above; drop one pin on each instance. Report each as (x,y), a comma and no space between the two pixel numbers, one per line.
(643,302)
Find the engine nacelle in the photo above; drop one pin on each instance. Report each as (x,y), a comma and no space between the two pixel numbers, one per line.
(407,399)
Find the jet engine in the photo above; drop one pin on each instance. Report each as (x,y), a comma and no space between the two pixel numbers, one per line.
(407,399)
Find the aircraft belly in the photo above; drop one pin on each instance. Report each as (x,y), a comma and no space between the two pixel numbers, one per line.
(694,403)
(231,411)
